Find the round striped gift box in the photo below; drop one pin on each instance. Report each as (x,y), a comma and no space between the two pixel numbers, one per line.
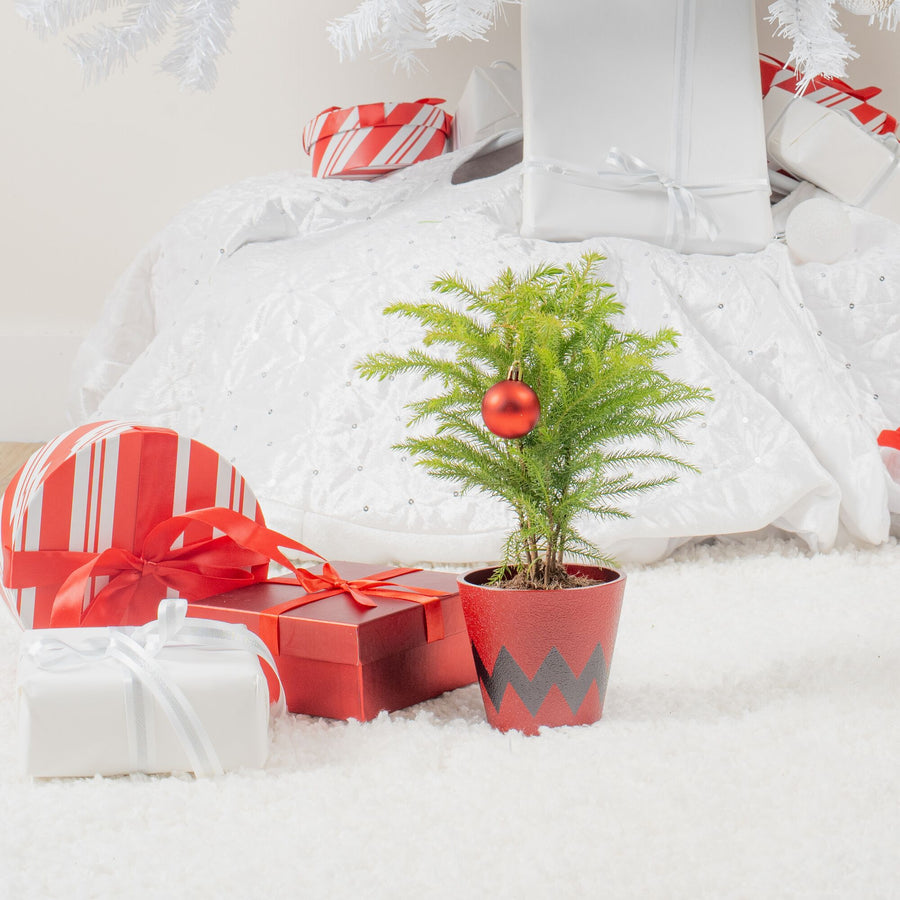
(364,142)
(107,484)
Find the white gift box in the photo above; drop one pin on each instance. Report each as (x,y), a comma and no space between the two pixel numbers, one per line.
(491,104)
(644,119)
(175,695)
(829,149)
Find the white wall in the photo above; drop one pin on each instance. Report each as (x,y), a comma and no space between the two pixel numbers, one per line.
(88,175)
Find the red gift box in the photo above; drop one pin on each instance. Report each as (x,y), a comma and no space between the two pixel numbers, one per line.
(97,500)
(830,92)
(342,659)
(364,142)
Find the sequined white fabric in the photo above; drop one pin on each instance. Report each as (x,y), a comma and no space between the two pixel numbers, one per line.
(241,322)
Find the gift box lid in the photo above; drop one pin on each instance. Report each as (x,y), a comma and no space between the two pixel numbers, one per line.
(335,120)
(335,628)
(103,485)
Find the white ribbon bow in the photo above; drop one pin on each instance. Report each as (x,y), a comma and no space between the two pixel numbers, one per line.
(135,650)
(686,211)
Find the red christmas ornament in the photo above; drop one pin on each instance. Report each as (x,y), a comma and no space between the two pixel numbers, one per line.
(510,408)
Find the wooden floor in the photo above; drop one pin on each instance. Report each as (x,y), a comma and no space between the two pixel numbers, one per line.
(11,458)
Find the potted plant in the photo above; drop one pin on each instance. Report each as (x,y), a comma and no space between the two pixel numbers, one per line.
(543,402)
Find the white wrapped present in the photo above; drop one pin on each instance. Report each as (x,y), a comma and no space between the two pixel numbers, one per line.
(831,150)
(644,120)
(490,105)
(175,695)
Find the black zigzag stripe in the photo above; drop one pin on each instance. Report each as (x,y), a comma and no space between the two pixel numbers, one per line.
(553,670)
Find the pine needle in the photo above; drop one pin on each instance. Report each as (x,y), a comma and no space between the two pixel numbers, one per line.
(599,390)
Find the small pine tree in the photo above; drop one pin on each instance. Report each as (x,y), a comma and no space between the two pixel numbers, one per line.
(599,392)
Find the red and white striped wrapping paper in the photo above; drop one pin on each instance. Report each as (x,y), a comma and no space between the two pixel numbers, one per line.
(829,92)
(364,142)
(104,485)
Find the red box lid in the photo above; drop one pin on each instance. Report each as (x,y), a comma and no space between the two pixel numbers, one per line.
(336,628)
(336,120)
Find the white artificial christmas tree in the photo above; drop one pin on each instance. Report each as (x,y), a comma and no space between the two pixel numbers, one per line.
(393,28)
(812,26)
(201,30)
(819,47)
(398,29)
(867,7)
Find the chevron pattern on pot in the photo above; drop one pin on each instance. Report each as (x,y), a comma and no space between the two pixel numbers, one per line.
(553,670)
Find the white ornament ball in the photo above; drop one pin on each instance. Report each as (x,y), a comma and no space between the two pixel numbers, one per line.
(818,230)
(866,7)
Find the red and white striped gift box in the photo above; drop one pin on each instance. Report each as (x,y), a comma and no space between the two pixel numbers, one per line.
(107,484)
(364,142)
(829,92)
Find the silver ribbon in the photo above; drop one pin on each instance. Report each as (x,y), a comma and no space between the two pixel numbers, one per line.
(135,651)
(688,210)
(679,221)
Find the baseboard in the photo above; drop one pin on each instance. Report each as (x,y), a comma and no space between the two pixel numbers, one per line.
(34,373)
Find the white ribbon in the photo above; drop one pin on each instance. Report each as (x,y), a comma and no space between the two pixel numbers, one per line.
(688,210)
(135,650)
(682,118)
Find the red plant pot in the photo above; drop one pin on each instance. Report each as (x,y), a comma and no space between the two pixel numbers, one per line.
(543,657)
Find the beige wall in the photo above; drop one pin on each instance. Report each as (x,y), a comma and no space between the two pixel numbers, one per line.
(88,175)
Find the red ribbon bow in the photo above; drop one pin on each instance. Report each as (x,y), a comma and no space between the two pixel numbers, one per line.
(200,569)
(365,591)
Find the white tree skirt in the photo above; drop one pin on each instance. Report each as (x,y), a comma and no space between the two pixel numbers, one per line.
(748,750)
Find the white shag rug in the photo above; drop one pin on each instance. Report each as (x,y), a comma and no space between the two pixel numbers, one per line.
(748,750)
